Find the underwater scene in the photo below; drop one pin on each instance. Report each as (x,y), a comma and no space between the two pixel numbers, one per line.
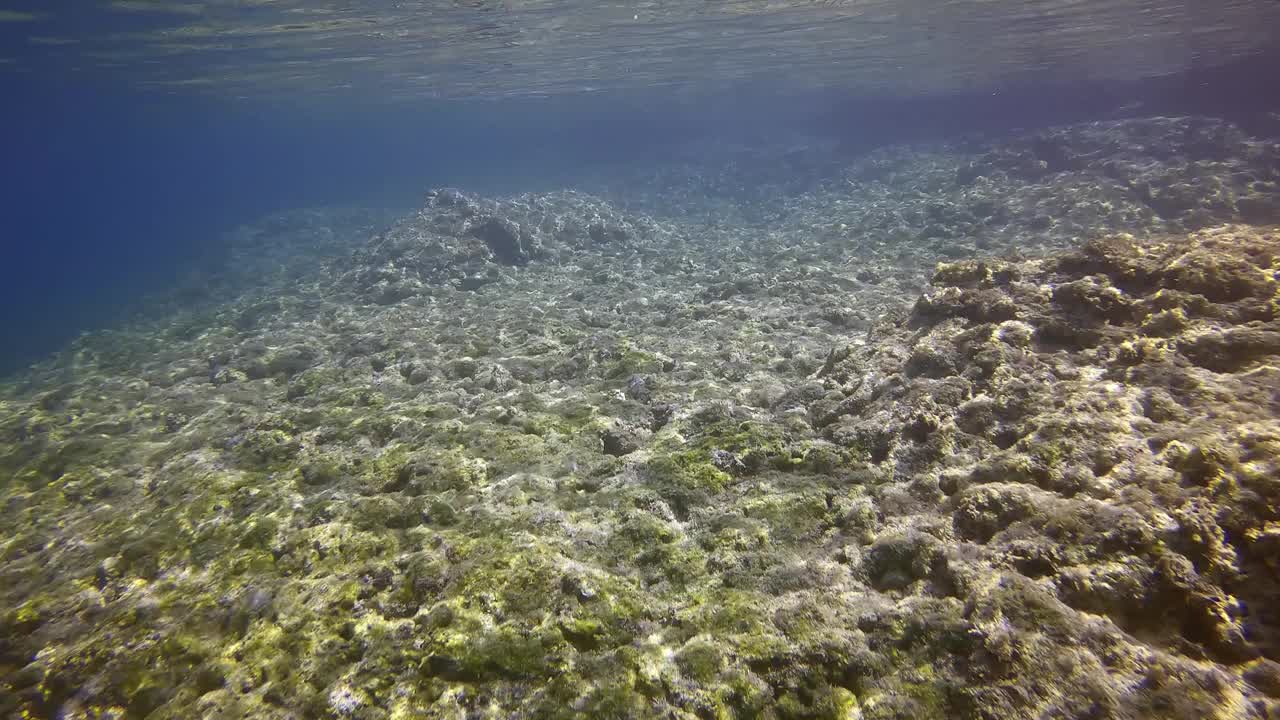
(484,359)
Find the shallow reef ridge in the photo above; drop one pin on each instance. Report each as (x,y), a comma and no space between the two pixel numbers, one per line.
(912,442)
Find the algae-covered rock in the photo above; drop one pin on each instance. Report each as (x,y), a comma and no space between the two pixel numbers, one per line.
(536,457)
(465,242)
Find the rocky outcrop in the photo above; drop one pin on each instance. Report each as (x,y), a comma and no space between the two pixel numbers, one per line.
(465,242)
(1084,449)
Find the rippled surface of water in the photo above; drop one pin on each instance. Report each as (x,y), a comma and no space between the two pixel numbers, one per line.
(483,48)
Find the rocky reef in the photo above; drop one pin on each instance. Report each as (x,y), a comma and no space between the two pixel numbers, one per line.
(550,456)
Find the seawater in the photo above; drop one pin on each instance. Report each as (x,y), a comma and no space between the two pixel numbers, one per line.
(551,359)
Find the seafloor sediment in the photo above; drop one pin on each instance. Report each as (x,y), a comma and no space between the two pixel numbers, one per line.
(980,430)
